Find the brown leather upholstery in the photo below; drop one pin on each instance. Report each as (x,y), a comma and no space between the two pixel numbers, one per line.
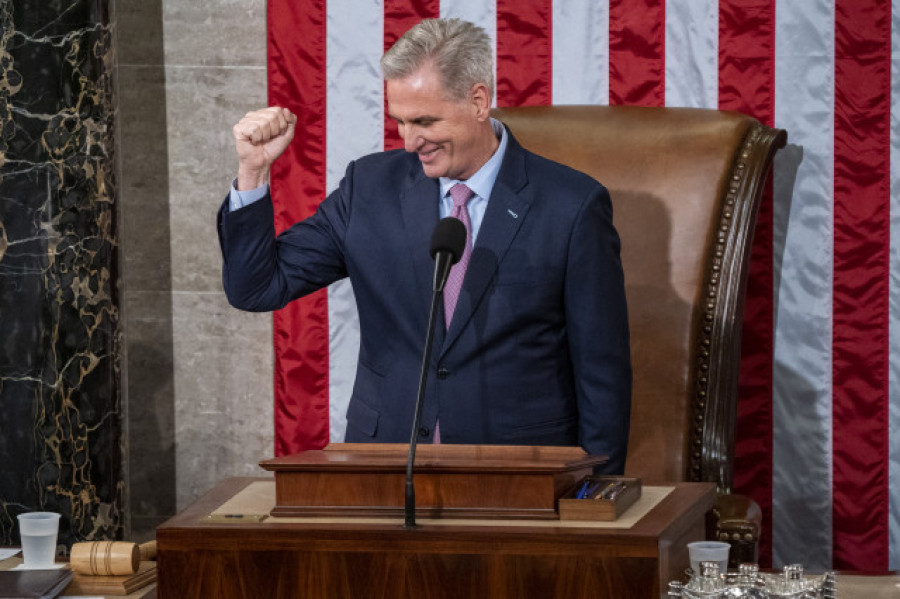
(736,519)
(686,186)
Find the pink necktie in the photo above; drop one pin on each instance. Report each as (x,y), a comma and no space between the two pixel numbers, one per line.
(461,195)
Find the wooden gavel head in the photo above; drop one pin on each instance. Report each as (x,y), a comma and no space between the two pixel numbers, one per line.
(105,558)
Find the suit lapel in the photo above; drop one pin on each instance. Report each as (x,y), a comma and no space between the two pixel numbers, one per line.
(506,211)
(419,206)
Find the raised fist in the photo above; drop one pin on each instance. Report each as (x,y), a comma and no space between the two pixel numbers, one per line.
(260,138)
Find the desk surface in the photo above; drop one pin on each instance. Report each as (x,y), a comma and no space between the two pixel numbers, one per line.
(868,586)
(256,501)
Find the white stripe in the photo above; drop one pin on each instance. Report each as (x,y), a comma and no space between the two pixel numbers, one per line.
(692,53)
(483,14)
(581,52)
(894,342)
(803,247)
(354,127)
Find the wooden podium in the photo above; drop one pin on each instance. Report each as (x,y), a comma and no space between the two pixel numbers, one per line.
(361,556)
(461,481)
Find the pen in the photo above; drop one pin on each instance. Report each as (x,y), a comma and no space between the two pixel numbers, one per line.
(616,490)
(592,489)
(582,490)
(606,489)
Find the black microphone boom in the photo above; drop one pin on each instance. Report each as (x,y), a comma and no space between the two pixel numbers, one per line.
(447,245)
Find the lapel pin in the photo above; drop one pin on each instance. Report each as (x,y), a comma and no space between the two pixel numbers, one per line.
(512,214)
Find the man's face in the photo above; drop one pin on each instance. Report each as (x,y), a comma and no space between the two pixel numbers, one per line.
(449,136)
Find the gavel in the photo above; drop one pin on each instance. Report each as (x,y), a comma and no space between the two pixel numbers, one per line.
(110,558)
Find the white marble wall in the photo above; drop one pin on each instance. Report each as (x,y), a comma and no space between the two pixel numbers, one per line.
(199,373)
(215,66)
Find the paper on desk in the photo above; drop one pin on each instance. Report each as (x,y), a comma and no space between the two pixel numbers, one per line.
(56,566)
(8,553)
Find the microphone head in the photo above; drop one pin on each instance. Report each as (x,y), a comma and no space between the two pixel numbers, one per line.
(449,236)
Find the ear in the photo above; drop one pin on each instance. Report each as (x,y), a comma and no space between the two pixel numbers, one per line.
(480,98)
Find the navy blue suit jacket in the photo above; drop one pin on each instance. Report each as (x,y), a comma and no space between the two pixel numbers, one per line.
(538,350)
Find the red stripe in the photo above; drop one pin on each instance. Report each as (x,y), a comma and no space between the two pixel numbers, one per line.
(296,70)
(399,17)
(861,283)
(637,53)
(524,52)
(747,84)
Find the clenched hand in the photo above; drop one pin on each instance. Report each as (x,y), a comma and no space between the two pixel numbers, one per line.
(260,138)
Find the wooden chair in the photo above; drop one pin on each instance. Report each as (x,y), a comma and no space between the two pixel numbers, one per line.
(686,187)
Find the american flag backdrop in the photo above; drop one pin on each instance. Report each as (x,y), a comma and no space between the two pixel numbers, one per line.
(819,419)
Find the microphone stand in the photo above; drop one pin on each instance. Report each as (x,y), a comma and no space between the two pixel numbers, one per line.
(410,496)
(447,245)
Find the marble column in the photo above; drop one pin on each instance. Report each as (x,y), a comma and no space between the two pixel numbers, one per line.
(60,421)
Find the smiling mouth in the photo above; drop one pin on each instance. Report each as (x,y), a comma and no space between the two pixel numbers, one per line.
(426,156)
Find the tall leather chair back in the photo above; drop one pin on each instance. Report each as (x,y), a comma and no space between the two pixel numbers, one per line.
(686,187)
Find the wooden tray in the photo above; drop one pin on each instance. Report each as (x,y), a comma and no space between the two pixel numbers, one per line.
(611,496)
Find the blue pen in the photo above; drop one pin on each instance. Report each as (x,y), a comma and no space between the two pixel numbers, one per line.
(593,489)
(582,491)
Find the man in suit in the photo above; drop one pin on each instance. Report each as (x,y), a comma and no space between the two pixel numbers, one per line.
(535,350)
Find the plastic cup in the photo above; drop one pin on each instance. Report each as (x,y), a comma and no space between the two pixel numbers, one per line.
(38,531)
(708,551)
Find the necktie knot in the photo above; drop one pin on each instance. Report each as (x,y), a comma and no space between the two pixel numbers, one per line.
(460,194)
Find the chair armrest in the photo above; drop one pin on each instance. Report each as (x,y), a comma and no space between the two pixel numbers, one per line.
(736,519)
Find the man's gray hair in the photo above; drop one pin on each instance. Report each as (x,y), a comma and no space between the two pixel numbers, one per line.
(460,50)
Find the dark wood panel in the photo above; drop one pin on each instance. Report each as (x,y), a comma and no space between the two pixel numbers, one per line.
(199,558)
(398,575)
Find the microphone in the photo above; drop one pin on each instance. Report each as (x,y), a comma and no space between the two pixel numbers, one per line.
(447,245)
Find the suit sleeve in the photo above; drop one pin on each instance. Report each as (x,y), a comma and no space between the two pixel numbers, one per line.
(597,327)
(262,271)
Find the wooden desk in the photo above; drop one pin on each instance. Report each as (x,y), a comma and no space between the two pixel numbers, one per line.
(198,558)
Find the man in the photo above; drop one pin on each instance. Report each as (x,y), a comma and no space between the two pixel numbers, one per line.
(533,348)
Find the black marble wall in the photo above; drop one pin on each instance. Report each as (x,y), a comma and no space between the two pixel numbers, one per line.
(60,425)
